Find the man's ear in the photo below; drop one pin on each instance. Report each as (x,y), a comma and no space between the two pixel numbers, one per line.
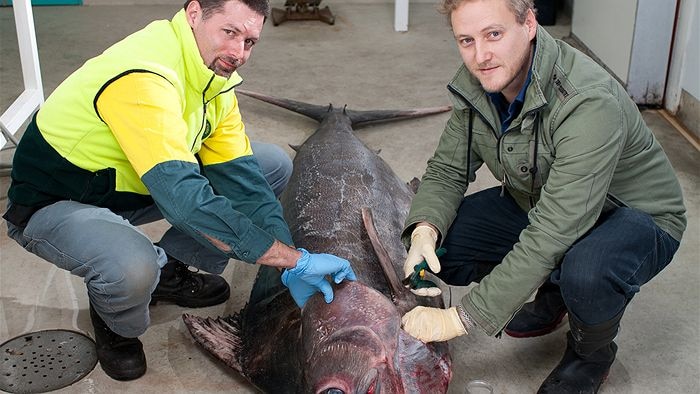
(193,12)
(531,24)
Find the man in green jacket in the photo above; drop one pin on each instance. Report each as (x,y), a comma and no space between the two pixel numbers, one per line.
(151,129)
(588,210)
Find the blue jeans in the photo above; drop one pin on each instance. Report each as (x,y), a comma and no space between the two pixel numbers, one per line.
(119,263)
(598,275)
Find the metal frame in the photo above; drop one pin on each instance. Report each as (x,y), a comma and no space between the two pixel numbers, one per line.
(401,15)
(33,96)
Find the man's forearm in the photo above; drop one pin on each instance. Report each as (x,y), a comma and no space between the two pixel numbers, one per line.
(280,255)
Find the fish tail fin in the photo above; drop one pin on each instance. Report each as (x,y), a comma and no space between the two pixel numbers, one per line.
(362,118)
(221,337)
(358,118)
(313,111)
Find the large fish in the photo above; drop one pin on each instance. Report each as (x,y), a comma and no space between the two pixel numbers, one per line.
(343,199)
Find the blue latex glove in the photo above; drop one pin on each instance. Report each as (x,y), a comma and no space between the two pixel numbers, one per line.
(308,276)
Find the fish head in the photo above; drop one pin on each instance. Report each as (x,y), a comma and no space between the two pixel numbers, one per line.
(350,345)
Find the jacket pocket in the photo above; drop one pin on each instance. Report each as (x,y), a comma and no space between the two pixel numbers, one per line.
(99,187)
(525,172)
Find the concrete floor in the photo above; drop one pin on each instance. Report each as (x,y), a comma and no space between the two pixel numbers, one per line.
(362,62)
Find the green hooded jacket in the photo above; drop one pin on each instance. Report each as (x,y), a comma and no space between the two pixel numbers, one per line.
(578,143)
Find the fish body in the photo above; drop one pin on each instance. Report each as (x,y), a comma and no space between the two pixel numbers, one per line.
(342,199)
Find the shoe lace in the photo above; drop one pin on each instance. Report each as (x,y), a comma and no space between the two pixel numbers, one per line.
(189,276)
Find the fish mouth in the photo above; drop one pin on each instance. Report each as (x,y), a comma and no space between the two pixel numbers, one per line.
(369,384)
(350,345)
(349,361)
(354,336)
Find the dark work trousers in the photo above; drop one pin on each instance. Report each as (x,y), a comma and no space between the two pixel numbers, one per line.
(598,275)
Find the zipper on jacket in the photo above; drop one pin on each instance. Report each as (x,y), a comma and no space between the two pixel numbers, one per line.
(204,105)
(499,139)
(204,111)
(472,110)
(503,182)
(532,156)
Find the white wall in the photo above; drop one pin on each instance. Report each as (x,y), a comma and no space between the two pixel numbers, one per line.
(685,62)
(683,86)
(633,38)
(606,27)
(651,49)
(691,75)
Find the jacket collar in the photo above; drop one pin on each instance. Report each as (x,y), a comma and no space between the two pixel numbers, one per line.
(199,76)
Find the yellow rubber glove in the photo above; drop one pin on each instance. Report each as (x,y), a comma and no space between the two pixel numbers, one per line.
(433,324)
(423,239)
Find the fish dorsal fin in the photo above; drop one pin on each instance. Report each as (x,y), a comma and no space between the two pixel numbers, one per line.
(317,112)
(413,185)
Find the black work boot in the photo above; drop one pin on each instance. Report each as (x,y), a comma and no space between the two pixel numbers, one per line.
(590,351)
(541,316)
(187,288)
(121,358)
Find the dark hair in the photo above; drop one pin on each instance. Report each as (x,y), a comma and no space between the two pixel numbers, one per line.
(210,7)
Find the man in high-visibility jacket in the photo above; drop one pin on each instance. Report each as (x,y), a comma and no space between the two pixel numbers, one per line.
(151,129)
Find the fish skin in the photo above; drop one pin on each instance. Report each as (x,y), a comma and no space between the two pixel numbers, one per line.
(354,344)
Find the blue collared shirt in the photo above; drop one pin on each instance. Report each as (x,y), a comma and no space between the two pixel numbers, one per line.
(507,112)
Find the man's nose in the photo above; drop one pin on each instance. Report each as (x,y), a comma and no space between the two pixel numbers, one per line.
(237,49)
(482,52)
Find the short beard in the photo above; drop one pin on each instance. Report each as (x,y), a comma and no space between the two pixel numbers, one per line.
(525,64)
(226,73)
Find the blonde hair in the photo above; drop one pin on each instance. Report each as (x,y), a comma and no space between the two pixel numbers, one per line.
(518,7)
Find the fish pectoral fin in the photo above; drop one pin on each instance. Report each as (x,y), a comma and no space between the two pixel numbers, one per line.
(220,337)
(397,289)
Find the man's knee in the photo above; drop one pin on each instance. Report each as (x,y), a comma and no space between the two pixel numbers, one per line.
(129,280)
(276,165)
(279,178)
(610,253)
(595,280)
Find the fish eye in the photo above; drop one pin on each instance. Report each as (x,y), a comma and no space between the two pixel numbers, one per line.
(334,391)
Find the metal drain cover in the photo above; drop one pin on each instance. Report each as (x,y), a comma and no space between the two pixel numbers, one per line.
(45,360)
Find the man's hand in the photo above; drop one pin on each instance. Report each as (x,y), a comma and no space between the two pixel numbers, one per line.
(307,277)
(433,324)
(423,239)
